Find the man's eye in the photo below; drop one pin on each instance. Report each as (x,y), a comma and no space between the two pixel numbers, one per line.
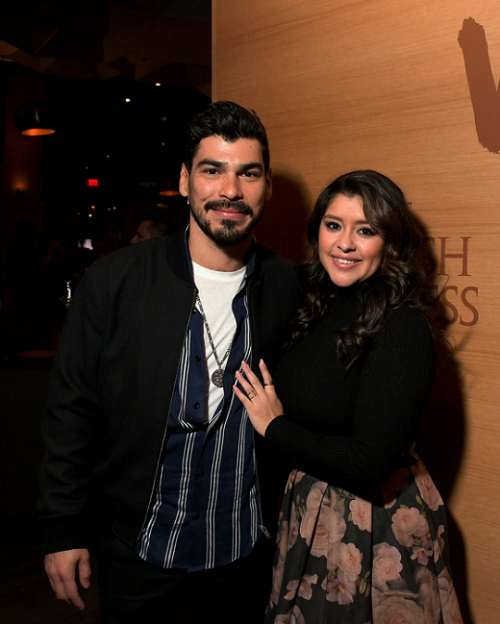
(250,174)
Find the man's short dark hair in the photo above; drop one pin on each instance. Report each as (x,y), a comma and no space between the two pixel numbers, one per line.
(228,120)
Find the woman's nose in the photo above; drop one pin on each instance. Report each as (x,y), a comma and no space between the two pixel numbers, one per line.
(346,242)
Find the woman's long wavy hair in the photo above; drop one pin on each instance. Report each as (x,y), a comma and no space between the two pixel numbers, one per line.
(404,276)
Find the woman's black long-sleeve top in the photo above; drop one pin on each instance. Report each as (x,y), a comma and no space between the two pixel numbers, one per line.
(352,428)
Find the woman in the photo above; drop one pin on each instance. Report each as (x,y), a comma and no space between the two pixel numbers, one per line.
(362,530)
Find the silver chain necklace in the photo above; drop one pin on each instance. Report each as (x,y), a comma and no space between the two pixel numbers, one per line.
(217,375)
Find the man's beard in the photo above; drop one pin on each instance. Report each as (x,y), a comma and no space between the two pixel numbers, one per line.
(227,233)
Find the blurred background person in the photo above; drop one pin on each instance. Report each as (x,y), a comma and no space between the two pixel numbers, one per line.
(152,224)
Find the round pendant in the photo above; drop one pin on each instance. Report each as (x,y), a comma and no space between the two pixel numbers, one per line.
(217,377)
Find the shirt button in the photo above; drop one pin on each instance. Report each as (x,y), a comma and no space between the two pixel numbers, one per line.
(196,405)
(202,472)
(196,516)
(197,358)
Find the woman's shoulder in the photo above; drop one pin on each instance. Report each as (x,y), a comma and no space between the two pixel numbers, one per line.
(408,314)
(409,323)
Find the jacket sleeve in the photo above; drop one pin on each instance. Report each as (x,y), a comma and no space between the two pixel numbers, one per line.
(393,388)
(67,425)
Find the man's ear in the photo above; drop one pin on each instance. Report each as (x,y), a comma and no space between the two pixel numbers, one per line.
(184,181)
(269,185)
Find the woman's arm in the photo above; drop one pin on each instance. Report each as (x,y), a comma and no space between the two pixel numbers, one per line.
(393,388)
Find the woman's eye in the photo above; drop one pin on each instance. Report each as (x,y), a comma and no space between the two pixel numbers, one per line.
(333,225)
(367,232)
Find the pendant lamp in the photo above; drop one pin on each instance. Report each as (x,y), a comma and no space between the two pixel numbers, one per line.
(34,118)
(167,187)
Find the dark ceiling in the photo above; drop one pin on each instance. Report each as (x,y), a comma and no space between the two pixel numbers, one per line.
(101,62)
(167,41)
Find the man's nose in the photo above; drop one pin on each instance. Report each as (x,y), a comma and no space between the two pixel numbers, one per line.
(230,187)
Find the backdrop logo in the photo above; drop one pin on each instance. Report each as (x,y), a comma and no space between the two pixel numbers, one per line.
(458,295)
(484,93)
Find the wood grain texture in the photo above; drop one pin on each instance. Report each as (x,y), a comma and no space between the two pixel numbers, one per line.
(387,85)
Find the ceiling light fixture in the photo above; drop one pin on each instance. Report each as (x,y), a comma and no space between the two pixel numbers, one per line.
(34,118)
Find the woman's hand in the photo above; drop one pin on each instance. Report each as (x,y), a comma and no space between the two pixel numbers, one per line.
(260,401)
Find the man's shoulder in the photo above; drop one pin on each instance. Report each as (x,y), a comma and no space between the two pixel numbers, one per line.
(270,260)
(135,259)
(277,277)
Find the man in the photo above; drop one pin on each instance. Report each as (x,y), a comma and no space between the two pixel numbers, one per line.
(152,224)
(141,399)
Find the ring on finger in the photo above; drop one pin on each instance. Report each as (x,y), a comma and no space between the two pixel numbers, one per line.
(271,383)
(251,394)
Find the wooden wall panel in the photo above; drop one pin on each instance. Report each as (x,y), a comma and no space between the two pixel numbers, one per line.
(387,85)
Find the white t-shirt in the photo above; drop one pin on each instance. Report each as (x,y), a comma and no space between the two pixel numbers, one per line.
(217,290)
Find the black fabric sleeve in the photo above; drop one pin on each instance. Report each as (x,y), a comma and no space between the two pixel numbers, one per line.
(67,424)
(393,388)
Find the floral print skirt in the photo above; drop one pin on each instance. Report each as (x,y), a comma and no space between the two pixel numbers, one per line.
(342,558)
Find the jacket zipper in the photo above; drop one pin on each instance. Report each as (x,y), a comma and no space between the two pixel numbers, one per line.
(164,437)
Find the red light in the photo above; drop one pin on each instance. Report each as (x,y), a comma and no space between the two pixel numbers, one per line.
(93,182)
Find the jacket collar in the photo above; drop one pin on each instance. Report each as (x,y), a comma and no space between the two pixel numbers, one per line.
(179,258)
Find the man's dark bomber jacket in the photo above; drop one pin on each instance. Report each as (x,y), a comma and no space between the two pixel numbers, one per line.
(114,378)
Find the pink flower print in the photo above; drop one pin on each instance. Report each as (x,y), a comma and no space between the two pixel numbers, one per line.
(422,548)
(439,543)
(279,569)
(294,477)
(314,526)
(398,610)
(294,528)
(340,589)
(277,582)
(428,490)
(290,481)
(408,524)
(302,588)
(448,596)
(451,610)
(361,514)
(386,564)
(421,554)
(316,496)
(305,589)
(319,545)
(285,537)
(336,531)
(292,590)
(313,503)
(350,561)
(293,617)
(428,597)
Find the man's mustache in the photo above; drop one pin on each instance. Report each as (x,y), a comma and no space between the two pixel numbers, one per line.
(225,204)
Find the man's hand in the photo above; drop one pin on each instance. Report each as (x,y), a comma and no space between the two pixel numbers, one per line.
(62,569)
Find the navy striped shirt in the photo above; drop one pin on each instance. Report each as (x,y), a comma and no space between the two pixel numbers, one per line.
(206,511)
